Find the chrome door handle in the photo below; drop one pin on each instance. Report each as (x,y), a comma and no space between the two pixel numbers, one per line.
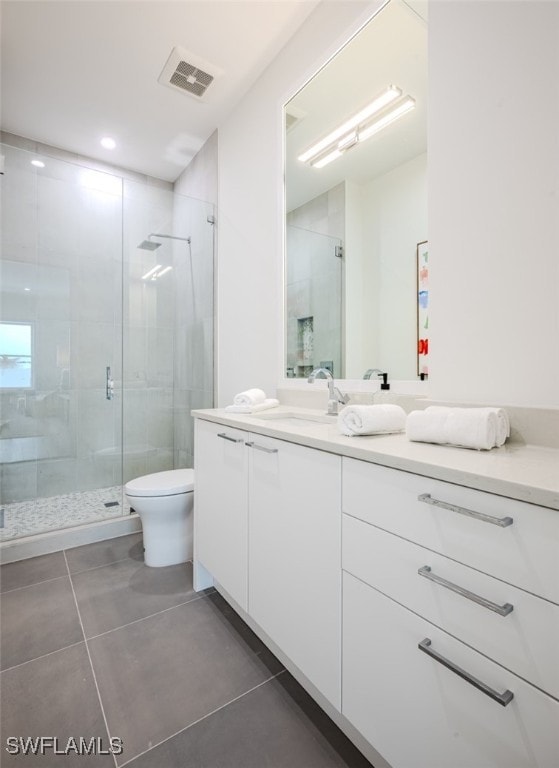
(231,439)
(502,522)
(501,698)
(109,384)
(502,610)
(262,448)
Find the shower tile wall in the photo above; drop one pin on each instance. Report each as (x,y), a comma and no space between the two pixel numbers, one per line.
(168,328)
(148,349)
(194,325)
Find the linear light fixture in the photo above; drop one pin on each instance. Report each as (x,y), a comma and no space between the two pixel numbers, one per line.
(386,97)
(370,121)
(377,125)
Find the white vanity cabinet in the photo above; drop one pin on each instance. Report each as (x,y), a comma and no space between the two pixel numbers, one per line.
(418,713)
(294,555)
(267,528)
(450,636)
(422,614)
(221,506)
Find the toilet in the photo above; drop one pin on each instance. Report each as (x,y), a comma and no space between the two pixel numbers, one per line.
(164,502)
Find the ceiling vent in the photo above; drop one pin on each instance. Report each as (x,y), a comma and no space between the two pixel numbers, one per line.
(187,73)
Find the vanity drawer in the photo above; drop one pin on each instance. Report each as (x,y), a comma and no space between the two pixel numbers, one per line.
(523,553)
(524,639)
(417,712)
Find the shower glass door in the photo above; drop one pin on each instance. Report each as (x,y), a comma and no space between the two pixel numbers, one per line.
(106,338)
(168,326)
(60,329)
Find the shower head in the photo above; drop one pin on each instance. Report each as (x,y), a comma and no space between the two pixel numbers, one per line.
(149,245)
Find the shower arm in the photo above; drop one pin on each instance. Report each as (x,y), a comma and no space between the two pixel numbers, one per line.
(170,237)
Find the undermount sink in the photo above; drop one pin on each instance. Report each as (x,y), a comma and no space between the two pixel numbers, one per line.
(297,419)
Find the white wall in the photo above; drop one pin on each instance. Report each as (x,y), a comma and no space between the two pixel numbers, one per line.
(199,179)
(494,201)
(394,221)
(387,217)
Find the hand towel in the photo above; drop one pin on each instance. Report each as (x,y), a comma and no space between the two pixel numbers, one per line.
(371,419)
(476,428)
(503,423)
(250,397)
(270,402)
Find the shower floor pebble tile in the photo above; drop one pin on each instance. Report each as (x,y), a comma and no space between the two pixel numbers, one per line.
(28,518)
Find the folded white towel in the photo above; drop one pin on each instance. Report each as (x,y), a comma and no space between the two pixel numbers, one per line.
(269,402)
(250,397)
(503,423)
(478,428)
(371,419)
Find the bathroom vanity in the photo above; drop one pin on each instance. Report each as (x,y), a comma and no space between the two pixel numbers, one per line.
(412,589)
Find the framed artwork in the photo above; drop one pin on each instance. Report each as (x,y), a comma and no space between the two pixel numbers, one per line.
(423,309)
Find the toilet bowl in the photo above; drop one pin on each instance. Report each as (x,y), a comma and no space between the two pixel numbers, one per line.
(164,502)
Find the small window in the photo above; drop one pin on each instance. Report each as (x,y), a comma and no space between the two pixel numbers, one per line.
(16,342)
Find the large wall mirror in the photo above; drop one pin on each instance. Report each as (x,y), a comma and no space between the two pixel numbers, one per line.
(356,205)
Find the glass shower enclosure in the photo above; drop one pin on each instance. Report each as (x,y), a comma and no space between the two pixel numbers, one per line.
(314,303)
(106,338)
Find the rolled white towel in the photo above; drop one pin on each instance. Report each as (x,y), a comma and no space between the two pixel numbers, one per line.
(502,426)
(383,418)
(250,397)
(269,402)
(463,427)
(472,428)
(428,426)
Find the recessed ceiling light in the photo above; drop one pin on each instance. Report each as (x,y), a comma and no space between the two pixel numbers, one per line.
(38,163)
(108,143)
(27,289)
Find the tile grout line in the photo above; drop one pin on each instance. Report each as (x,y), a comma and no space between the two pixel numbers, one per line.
(35,584)
(204,717)
(104,565)
(144,618)
(44,656)
(89,657)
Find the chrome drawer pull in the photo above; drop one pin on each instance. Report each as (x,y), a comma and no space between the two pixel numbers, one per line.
(231,439)
(502,522)
(501,698)
(262,448)
(502,610)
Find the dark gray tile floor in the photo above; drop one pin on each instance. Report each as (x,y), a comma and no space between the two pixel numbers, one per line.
(96,645)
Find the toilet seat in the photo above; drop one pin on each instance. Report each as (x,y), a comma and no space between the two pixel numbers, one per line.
(168,483)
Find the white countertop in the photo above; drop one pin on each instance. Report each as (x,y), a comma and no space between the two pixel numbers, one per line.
(525,472)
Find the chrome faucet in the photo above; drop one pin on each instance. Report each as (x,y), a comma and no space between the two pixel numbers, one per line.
(335,397)
(381,375)
(369,372)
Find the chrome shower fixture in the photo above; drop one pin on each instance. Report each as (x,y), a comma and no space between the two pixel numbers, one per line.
(150,245)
